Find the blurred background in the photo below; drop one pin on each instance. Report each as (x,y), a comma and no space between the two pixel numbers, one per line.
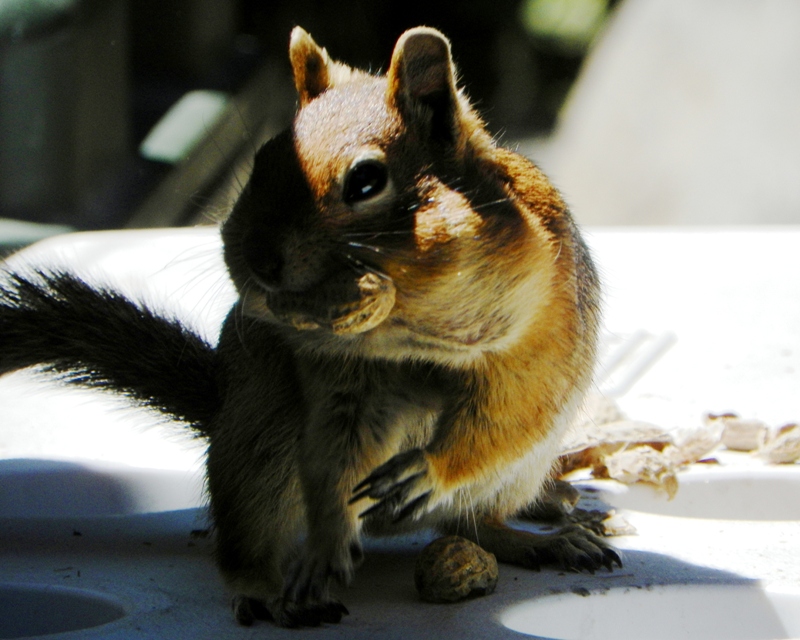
(142,113)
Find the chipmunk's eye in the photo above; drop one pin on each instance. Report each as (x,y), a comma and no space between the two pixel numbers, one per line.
(365,180)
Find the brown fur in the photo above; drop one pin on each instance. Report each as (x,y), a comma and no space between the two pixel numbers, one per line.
(432,337)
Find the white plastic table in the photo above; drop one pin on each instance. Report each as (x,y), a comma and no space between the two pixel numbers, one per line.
(95,498)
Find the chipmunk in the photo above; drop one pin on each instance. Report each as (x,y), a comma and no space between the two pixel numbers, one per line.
(416,322)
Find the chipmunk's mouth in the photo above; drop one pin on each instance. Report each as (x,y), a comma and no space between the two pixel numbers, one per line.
(345,303)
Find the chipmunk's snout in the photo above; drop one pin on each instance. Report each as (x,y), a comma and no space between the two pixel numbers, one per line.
(265,266)
(303,286)
(285,262)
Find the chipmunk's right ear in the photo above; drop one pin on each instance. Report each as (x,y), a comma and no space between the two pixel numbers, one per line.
(313,69)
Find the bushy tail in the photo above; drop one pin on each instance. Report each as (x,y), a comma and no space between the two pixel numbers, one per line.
(98,338)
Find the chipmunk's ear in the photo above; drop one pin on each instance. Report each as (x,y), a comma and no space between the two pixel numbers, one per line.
(313,69)
(309,65)
(422,82)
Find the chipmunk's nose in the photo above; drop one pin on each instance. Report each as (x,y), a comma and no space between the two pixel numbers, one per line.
(287,263)
(264,261)
(268,274)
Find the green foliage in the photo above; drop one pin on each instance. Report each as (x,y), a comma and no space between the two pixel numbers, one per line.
(567,25)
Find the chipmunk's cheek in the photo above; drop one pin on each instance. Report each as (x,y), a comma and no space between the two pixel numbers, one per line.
(344,303)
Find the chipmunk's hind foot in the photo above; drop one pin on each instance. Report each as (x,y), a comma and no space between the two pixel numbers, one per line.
(572,548)
(247,610)
(575,548)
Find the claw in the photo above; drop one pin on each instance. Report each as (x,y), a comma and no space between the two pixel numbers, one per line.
(333,612)
(531,560)
(361,485)
(396,497)
(361,495)
(412,507)
(384,490)
(376,486)
(375,508)
(586,563)
(292,615)
(391,485)
(610,558)
(242,610)
(247,610)
(311,617)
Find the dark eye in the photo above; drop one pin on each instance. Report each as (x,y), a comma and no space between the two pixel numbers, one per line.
(365,180)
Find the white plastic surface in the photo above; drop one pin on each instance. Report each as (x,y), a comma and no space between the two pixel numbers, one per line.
(766,493)
(687,612)
(34,610)
(105,499)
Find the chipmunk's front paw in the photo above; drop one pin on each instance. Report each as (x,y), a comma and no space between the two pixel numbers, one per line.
(403,487)
(293,615)
(284,613)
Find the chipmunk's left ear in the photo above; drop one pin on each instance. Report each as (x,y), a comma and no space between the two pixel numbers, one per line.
(313,69)
(422,82)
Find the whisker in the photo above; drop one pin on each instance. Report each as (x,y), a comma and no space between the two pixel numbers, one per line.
(491,203)
(239,317)
(474,517)
(376,234)
(249,135)
(363,265)
(459,511)
(368,247)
